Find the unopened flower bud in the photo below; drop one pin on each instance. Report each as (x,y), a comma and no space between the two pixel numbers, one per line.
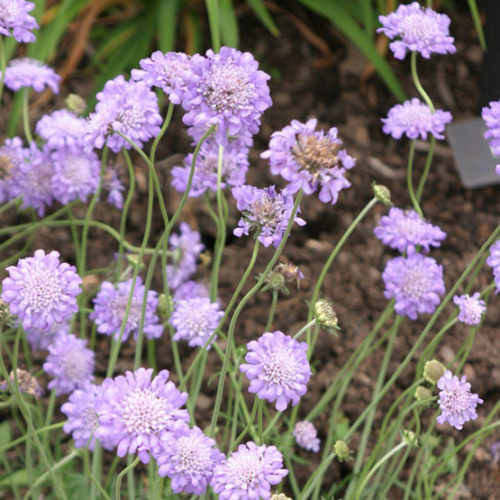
(409,438)
(5,317)
(325,315)
(163,305)
(433,371)
(280,496)
(133,260)
(422,393)
(382,194)
(341,450)
(76,104)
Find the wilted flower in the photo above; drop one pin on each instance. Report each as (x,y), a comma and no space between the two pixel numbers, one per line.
(112,183)
(310,160)
(62,128)
(110,305)
(70,363)
(12,154)
(406,229)
(25,382)
(415,282)
(415,119)
(421,30)
(136,411)
(456,402)
(265,211)
(277,368)
(249,472)
(493,261)
(41,290)
(306,436)
(15,20)
(471,309)
(27,72)
(325,314)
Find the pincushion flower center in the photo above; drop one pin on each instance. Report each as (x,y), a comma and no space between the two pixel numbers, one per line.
(132,117)
(454,400)
(279,367)
(75,365)
(77,170)
(246,471)
(119,308)
(144,412)
(267,210)
(191,457)
(9,11)
(415,283)
(42,289)
(419,27)
(314,153)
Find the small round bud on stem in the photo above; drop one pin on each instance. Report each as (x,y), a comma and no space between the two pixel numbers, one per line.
(433,371)
(422,393)
(325,315)
(342,451)
(76,104)
(162,305)
(382,194)
(409,438)
(280,496)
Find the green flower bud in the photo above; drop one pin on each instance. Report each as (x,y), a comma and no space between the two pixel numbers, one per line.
(382,194)
(76,104)
(433,371)
(163,305)
(5,317)
(422,393)
(342,451)
(325,315)
(280,496)
(409,438)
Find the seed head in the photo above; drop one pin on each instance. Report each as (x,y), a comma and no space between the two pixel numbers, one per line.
(433,371)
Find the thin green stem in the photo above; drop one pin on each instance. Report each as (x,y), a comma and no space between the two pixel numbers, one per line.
(272,310)
(305,328)
(409,179)
(119,479)
(26,116)
(416,81)
(427,168)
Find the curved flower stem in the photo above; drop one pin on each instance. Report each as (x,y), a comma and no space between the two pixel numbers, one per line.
(318,473)
(272,310)
(425,173)
(409,179)
(305,328)
(119,479)
(26,116)
(163,130)
(249,425)
(416,81)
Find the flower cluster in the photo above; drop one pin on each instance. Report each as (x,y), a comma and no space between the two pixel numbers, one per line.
(471,309)
(493,261)
(27,72)
(310,160)
(16,21)
(491,116)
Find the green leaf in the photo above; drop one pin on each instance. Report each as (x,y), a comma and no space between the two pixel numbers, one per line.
(230,34)
(16,478)
(5,434)
(166,19)
(76,486)
(263,14)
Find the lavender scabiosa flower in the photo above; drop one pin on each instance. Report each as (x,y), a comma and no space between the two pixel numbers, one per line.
(12,154)
(16,21)
(415,282)
(112,183)
(70,363)
(306,436)
(188,459)
(457,403)
(185,247)
(491,116)
(225,89)
(167,71)
(76,174)
(195,320)
(137,411)
(127,107)
(265,211)
(471,309)
(277,368)
(41,338)
(82,417)
(191,290)
(415,119)
(249,472)
(61,129)
(404,229)
(493,261)
(27,72)
(309,160)
(41,290)
(234,168)
(110,305)
(420,30)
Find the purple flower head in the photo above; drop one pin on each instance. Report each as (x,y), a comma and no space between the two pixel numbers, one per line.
(41,290)
(136,411)
(168,72)
(403,230)
(195,320)
(306,436)
(191,290)
(27,72)
(76,174)
(112,183)
(234,168)
(309,160)
(70,363)
(456,402)
(495,451)
(420,30)
(249,472)
(491,116)
(228,90)
(415,282)
(415,119)
(185,247)
(82,417)
(471,309)
(264,211)
(277,368)
(127,107)
(41,338)
(493,261)
(189,460)
(12,154)
(62,128)
(15,20)
(110,305)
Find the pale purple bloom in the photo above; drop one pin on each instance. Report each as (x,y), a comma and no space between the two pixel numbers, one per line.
(248,473)
(306,436)
(12,154)
(415,119)
(188,460)
(457,403)
(491,116)
(82,417)
(127,107)
(27,72)
(415,282)
(195,320)
(41,290)
(136,411)
(471,309)
(420,30)
(16,21)
(277,368)
(76,174)
(191,290)
(110,305)
(112,183)
(233,171)
(404,229)
(264,211)
(167,71)
(310,160)
(228,90)
(185,248)
(493,261)
(62,128)
(41,338)
(495,451)
(70,363)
